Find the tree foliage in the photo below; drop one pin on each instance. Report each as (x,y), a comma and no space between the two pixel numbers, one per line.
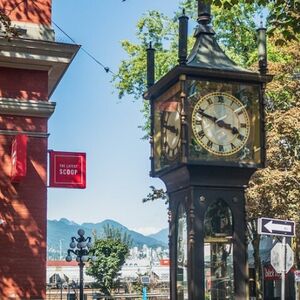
(110,252)
(236,30)
(283,16)
(278,185)
(156,194)
(274,191)
(5,26)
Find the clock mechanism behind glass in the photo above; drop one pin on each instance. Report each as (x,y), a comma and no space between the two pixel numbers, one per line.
(224,120)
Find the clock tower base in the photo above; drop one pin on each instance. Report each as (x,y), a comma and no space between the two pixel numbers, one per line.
(208,250)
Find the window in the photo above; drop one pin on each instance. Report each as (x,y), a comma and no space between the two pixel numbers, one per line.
(182,259)
(218,252)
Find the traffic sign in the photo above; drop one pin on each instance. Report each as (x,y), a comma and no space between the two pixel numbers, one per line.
(276,227)
(277,261)
(145,279)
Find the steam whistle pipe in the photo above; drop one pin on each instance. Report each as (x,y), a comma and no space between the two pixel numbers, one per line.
(183,36)
(150,65)
(262,50)
(204,12)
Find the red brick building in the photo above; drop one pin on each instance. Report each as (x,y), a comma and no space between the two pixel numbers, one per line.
(31,66)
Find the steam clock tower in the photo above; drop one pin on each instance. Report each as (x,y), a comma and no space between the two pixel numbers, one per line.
(207,139)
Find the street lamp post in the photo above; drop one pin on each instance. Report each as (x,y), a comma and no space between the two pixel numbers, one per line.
(82,251)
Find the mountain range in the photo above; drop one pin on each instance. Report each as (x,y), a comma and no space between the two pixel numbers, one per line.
(60,232)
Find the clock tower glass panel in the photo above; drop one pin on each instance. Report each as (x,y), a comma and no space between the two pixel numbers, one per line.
(224,123)
(167,129)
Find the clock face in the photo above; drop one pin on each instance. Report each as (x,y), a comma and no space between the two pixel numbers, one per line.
(171,131)
(220,124)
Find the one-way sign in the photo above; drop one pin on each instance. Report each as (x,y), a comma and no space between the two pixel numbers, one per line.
(275,227)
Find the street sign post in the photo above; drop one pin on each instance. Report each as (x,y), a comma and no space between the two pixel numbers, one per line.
(145,281)
(282,256)
(270,226)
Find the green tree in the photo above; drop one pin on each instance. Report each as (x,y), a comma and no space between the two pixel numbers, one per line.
(110,252)
(275,190)
(234,23)
(282,15)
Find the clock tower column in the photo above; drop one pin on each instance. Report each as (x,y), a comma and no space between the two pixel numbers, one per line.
(31,66)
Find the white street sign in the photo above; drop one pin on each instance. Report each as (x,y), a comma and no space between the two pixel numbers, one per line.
(145,279)
(271,226)
(289,258)
(277,258)
(277,254)
(276,227)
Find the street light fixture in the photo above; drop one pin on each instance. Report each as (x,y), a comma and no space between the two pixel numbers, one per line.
(80,246)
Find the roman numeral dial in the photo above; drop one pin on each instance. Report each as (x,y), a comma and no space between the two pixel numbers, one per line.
(220,124)
(171,134)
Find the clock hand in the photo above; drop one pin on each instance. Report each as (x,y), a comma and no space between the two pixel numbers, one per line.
(172,129)
(202,113)
(222,124)
(219,122)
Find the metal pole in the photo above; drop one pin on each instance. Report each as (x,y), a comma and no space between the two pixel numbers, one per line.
(61,288)
(283,269)
(262,50)
(81,265)
(150,65)
(60,250)
(183,35)
(296,290)
(144,293)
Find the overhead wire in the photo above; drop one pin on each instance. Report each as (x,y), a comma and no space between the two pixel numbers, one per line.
(105,68)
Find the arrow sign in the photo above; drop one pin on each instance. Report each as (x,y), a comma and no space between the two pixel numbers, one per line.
(276,227)
(272,226)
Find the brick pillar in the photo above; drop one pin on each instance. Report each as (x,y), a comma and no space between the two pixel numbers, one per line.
(30,69)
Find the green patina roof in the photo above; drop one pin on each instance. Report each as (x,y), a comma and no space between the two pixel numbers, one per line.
(207,54)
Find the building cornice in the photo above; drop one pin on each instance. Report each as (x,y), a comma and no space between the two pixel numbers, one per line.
(28,133)
(31,108)
(49,56)
(35,31)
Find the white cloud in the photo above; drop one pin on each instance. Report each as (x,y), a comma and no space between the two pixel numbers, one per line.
(147,230)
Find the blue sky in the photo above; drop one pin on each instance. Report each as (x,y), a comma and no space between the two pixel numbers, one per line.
(90,118)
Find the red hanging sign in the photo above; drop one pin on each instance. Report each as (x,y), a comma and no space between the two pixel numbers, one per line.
(19,158)
(67,169)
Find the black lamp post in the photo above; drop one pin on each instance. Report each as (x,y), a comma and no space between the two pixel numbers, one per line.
(82,252)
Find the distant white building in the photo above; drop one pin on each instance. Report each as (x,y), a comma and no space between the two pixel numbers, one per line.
(67,271)
(132,269)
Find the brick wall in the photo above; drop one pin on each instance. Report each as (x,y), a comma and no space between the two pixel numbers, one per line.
(23,84)
(23,206)
(32,11)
